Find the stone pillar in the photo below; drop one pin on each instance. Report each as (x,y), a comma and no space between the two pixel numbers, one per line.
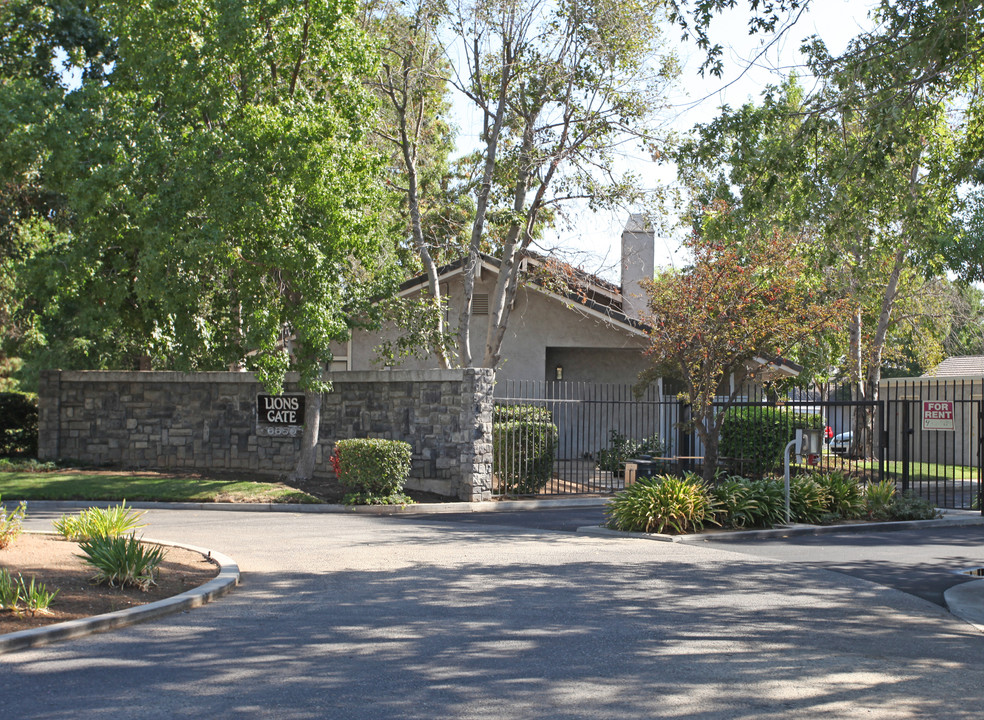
(476,427)
(49,415)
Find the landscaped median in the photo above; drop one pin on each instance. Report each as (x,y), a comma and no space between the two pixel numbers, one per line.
(93,573)
(670,505)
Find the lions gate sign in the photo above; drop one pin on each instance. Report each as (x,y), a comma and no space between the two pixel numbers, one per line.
(279,415)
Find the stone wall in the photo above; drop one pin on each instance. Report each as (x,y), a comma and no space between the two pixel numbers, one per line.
(199,421)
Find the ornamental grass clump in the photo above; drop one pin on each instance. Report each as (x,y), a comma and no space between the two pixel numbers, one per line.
(19,596)
(879,500)
(98,522)
(807,500)
(123,561)
(661,504)
(743,503)
(10,523)
(845,499)
(736,508)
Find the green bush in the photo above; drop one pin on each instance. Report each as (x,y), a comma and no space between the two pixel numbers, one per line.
(742,503)
(908,506)
(10,523)
(524,445)
(18,425)
(26,465)
(621,448)
(659,504)
(97,522)
(753,438)
(736,508)
(372,467)
(807,500)
(123,561)
(845,499)
(879,499)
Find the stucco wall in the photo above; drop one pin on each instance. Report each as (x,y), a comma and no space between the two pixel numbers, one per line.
(538,321)
(169,420)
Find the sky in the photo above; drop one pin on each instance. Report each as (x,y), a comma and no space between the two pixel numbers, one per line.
(595,241)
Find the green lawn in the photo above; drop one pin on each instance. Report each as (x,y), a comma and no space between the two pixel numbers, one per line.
(63,484)
(927,472)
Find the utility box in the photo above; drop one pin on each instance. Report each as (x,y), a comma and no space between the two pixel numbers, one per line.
(809,441)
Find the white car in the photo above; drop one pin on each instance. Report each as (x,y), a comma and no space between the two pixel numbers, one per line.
(840,444)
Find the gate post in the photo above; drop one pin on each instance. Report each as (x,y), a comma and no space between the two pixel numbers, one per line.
(684,433)
(980,454)
(906,432)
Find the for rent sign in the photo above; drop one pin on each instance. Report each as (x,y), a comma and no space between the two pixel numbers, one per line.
(937,415)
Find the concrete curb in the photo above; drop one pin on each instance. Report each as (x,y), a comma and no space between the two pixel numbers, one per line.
(953,520)
(418,508)
(221,584)
(966,601)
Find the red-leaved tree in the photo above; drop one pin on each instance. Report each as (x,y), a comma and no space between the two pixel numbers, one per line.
(733,307)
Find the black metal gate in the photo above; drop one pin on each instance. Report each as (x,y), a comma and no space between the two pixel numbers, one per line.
(934,441)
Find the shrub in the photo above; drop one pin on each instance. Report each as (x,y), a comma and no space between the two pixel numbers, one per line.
(908,506)
(621,448)
(879,499)
(770,499)
(742,503)
(753,438)
(661,503)
(736,508)
(10,523)
(123,561)
(372,467)
(844,496)
(524,444)
(20,596)
(18,424)
(97,522)
(807,500)
(26,465)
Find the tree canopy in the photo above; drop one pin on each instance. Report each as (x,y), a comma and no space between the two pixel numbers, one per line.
(718,323)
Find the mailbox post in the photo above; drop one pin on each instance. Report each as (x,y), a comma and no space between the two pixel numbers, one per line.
(807,442)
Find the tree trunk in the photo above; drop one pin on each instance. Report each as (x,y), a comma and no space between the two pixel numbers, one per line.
(711,440)
(309,438)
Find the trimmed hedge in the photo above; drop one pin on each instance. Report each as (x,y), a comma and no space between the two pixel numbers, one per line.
(753,438)
(524,445)
(18,425)
(372,466)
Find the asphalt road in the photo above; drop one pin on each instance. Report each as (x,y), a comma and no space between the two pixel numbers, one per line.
(348,616)
(924,562)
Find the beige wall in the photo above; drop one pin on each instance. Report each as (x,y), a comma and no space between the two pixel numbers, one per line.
(537,322)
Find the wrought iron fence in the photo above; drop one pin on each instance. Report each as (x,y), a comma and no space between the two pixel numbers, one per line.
(558,438)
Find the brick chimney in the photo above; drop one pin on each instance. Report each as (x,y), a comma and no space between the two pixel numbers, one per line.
(638,263)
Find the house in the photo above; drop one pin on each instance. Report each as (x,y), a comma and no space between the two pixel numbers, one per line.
(565,324)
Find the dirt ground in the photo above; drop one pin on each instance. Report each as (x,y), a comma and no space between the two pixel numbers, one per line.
(55,563)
